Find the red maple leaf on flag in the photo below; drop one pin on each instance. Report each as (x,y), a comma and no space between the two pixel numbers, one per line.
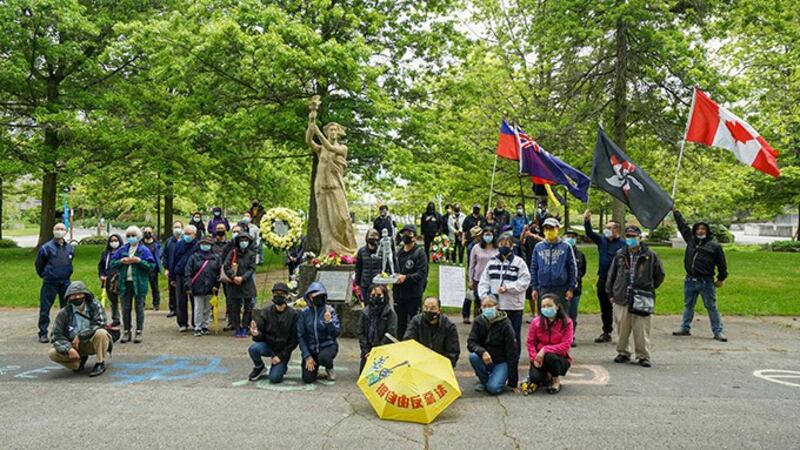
(738,131)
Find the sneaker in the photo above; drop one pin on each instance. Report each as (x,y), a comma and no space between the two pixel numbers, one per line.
(138,338)
(720,337)
(98,369)
(82,364)
(204,331)
(467,322)
(198,333)
(183,329)
(256,373)
(479,387)
(243,332)
(622,359)
(331,374)
(171,313)
(155,308)
(605,337)
(644,362)
(681,332)
(43,339)
(528,387)
(126,336)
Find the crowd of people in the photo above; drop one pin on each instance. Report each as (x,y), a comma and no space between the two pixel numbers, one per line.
(510,259)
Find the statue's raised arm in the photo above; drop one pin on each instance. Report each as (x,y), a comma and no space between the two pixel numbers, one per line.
(312,129)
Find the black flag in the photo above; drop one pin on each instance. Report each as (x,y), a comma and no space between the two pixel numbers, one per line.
(616,174)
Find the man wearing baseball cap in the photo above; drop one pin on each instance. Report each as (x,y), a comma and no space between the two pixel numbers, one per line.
(412,278)
(553,267)
(274,331)
(635,274)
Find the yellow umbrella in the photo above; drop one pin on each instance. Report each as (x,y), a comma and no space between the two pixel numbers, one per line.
(409,382)
(215,312)
(103,297)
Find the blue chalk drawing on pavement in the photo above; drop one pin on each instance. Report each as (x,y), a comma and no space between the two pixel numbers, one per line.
(167,368)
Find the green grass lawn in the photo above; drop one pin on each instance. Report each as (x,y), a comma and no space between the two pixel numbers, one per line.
(20,285)
(760,283)
(26,231)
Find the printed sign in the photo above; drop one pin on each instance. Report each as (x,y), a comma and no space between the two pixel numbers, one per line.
(452,289)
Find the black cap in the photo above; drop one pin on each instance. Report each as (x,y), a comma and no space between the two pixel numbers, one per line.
(280,287)
(409,227)
(383,207)
(572,231)
(633,229)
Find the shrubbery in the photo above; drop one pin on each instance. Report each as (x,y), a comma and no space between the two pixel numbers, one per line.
(662,233)
(785,246)
(94,240)
(8,243)
(722,233)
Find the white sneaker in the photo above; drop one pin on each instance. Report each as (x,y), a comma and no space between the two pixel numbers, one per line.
(331,374)
(183,329)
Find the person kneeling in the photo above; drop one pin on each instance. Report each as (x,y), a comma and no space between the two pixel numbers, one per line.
(79,331)
(549,341)
(274,331)
(492,344)
(375,321)
(434,330)
(317,330)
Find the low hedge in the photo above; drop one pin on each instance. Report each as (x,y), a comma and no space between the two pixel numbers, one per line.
(8,243)
(785,246)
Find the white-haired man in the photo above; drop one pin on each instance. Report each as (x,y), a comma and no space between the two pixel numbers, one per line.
(134,263)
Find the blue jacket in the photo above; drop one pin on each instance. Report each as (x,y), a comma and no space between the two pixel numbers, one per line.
(168,253)
(183,251)
(54,262)
(313,334)
(553,266)
(518,223)
(606,248)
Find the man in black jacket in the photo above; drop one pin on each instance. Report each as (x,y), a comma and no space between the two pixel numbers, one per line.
(703,254)
(431,223)
(384,222)
(412,266)
(78,331)
(435,331)
(274,331)
(368,263)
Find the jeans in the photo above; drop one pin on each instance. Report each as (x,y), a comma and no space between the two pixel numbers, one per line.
(515,317)
(493,377)
(324,358)
(258,350)
(154,289)
(692,287)
(606,308)
(127,306)
(572,312)
(553,365)
(182,309)
(47,296)
(405,309)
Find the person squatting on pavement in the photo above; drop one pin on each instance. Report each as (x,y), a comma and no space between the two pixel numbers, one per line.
(274,331)
(491,344)
(375,321)
(317,333)
(434,330)
(549,339)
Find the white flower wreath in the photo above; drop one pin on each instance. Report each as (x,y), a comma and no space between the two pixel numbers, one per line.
(282,217)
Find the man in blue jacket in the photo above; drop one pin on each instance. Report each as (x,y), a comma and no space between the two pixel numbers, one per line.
(54,267)
(184,250)
(553,267)
(167,259)
(317,330)
(608,244)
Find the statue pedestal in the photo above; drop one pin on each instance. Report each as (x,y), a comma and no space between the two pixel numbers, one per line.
(347,306)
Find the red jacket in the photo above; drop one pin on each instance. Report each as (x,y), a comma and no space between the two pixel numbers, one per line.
(556,340)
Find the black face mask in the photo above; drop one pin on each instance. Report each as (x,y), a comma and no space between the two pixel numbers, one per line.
(407,239)
(76,302)
(221,233)
(430,316)
(148,235)
(376,300)
(372,242)
(279,300)
(504,251)
(319,300)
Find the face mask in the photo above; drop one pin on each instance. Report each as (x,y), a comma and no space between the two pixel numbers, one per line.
(549,312)
(196,219)
(318,300)
(376,299)
(187,238)
(550,235)
(255,204)
(430,316)
(245,220)
(457,210)
(489,313)
(500,209)
(177,231)
(148,235)
(221,233)
(384,213)
(113,244)
(488,238)
(571,241)
(59,234)
(701,236)
(216,213)
(504,251)
(519,212)
(372,242)
(76,302)
(407,239)
(133,240)
(607,233)
(279,300)
(244,244)
(234,234)
(631,241)
(205,247)
(476,211)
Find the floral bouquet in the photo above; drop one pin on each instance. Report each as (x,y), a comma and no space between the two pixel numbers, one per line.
(332,259)
(440,248)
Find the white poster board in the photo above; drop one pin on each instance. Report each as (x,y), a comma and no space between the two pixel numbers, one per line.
(452,285)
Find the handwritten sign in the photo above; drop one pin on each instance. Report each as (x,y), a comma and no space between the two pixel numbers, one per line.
(452,289)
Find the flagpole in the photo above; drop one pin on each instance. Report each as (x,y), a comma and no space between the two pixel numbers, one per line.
(683,144)
(491,187)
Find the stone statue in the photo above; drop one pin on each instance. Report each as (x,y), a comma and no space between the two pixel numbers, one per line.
(386,252)
(335,227)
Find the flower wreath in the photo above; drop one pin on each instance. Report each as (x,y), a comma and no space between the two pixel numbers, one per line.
(292,221)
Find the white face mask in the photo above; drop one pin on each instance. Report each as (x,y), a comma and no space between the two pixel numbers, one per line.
(113,244)
(607,233)
(701,236)
(58,234)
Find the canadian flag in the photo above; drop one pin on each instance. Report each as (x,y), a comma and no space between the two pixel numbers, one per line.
(715,126)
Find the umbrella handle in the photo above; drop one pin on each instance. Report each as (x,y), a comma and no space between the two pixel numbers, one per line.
(391,338)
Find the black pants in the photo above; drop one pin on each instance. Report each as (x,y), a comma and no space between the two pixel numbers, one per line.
(113,300)
(428,243)
(405,309)
(184,304)
(324,358)
(554,365)
(154,289)
(172,296)
(128,301)
(241,312)
(459,254)
(606,308)
(474,304)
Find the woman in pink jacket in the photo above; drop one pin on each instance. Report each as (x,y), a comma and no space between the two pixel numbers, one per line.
(549,341)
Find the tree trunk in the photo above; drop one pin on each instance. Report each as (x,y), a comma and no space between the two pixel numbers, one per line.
(797,235)
(565,225)
(47,218)
(168,198)
(620,104)
(158,216)
(313,238)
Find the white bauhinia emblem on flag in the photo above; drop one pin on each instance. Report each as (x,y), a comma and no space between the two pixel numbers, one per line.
(623,175)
